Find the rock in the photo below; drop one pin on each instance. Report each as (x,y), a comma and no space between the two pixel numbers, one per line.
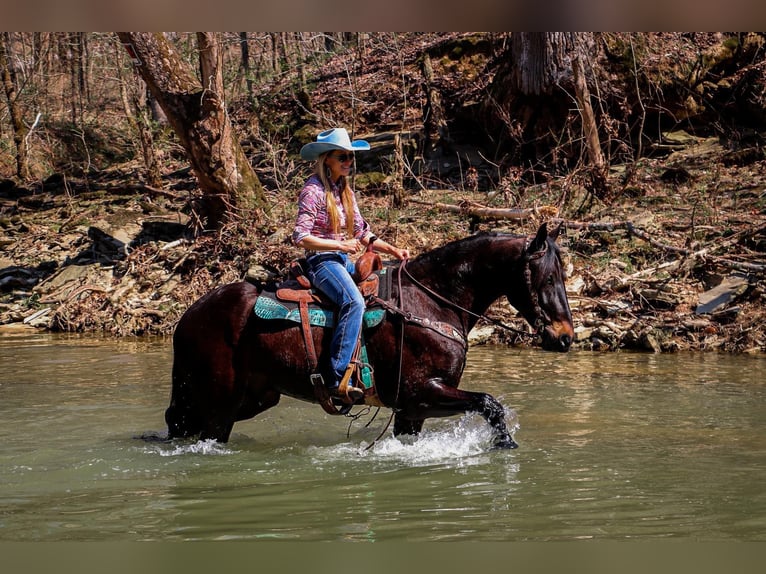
(727,290)
(16,327)
(259,274)
(659,298)
(616,307)
(480,335)
(68,274)
(649,342)
(679,138)
(575,285)
(108,244)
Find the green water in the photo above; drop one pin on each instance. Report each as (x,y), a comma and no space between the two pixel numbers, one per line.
(612,447)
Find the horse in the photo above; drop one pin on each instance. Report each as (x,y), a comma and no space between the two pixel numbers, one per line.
(230,365)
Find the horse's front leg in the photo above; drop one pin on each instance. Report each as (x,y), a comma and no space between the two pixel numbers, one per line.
(404,425)
(436,399)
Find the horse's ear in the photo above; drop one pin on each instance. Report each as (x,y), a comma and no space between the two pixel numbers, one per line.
(555,233)
(539,242)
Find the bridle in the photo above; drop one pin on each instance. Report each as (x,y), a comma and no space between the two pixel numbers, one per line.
(539,321)
(443,329)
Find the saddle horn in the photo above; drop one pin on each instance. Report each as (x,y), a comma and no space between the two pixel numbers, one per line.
(368,263)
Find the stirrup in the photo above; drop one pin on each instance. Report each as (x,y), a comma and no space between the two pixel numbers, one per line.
(331,404)
(346,390)
(348,395)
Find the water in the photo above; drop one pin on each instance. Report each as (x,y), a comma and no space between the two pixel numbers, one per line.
(612,447)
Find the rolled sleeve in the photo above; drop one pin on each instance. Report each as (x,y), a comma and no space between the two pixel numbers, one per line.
(308,209)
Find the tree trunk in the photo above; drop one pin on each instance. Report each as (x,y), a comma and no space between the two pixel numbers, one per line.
(198,116)
(398,172)
(590,126)
(434,123)
(538,59)
(597,167)
(136,110)
(275,67)
(244,66)
(11,87)
(531,94)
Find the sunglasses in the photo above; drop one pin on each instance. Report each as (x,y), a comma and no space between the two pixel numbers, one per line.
(344,157)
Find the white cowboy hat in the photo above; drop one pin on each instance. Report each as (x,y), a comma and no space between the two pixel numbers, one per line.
(336,138)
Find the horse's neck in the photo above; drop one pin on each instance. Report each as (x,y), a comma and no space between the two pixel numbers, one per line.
(468,279)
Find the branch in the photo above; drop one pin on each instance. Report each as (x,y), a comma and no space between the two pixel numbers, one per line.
(685,253)
(474,209)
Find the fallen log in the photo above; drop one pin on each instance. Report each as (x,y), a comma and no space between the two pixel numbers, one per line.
(473,209)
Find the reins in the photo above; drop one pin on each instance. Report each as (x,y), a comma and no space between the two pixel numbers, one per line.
(399,373)
(539,322)
(438,326)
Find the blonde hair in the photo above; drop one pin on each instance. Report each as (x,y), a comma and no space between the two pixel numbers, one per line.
(346,197)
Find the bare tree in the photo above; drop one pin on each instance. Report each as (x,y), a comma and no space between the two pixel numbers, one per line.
(539,66)
(11,88)
(137,111)
(197,113)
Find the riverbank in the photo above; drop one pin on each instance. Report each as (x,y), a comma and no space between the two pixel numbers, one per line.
(674,263)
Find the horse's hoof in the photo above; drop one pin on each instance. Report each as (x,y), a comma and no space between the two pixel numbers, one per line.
(505,443)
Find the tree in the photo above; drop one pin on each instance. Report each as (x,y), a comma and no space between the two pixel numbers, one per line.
(537,61)
(598,169)
(197,113)
(11,88)
(137,110)
(533,92)
(434,121)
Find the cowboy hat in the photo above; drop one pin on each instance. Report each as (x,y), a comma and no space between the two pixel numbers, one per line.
(336,138)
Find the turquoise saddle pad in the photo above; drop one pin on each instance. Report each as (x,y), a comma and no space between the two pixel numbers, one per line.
(267,307)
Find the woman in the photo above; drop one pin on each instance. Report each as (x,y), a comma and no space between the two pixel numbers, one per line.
(330,227)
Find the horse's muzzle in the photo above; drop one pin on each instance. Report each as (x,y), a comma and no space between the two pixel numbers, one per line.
(558,337)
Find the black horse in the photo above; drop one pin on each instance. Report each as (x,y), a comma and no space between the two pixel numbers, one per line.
(230,365)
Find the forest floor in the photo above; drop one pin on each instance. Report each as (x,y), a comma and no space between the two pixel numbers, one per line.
(675,262)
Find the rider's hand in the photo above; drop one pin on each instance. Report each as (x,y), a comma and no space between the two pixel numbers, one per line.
(351,246)
(402,254)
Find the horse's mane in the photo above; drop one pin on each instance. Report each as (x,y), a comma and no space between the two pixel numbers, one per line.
(458,247)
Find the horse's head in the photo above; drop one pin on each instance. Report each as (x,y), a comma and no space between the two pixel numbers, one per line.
(544,302)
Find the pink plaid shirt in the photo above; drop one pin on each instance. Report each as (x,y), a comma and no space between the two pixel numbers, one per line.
(313,218)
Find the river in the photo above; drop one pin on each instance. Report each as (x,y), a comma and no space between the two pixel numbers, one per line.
(613,446)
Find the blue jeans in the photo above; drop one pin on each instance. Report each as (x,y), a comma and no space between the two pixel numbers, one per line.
(330,272)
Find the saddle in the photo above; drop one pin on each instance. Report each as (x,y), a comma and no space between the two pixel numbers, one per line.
(297,290)
(364,276)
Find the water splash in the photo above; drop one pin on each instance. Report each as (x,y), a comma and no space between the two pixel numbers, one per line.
(456,444)
(203,447)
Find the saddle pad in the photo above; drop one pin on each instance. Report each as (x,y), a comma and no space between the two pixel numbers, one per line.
(268,307)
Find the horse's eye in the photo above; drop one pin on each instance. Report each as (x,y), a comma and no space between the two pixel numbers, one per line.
(549,281)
